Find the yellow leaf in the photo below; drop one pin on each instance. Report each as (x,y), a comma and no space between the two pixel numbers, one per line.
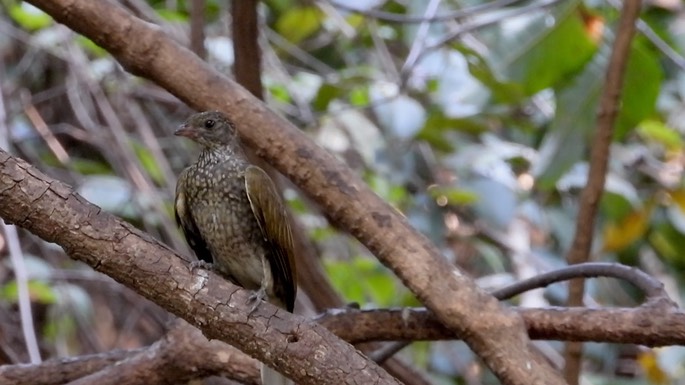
(649,363)
(617,235)
(299,23)
(678,197)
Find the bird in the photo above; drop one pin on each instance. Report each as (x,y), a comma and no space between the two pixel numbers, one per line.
(234,219)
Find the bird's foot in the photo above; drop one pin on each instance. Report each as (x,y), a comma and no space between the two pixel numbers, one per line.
(257,297)
(200,264)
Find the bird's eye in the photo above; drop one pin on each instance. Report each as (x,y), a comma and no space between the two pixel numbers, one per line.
(209,123)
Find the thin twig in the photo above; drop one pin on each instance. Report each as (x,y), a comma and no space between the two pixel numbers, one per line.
(650,286)
(395,18)
(470,27)
(23,296)
(421,36)
(39,123)
(599,158)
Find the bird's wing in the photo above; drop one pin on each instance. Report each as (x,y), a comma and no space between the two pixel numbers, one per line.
(272,218)
(185,220)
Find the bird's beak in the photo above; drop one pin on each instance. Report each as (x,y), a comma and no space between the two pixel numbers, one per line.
(187,131)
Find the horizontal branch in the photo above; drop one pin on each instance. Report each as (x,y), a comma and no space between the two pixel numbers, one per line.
(646,325)
(182,355)
(650,325)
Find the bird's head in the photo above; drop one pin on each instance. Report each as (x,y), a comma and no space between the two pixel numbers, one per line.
(209,129)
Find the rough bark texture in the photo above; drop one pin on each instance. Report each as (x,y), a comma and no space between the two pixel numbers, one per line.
(495,333)
(51,210)
(657,325)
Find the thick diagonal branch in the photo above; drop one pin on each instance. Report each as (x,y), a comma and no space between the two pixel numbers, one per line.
(497,335)
(51,210)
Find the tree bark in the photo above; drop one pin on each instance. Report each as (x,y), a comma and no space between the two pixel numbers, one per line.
(495,333)
(304,350)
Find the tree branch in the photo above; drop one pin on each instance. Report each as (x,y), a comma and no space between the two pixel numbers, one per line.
(648,325)
(496,334)
(652,325)
(49,209)
(599,159)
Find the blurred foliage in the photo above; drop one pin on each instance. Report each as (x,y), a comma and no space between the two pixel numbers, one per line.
(479,136)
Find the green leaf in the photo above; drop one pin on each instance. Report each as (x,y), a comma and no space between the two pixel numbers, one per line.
(658,132)
(91,47)
(437,125)
(503,91)
(614,206)
(148,161)
(299,23)
(641,87)
(392,193)
(90,167)
(280,93)
(172,15)
(566,140)
(38,291)
(436,140)
(326,93)
(555,54)
(319,234)
(29,17)
(453,196)
(359,96)
(568,137)
(669,243)
(362,279)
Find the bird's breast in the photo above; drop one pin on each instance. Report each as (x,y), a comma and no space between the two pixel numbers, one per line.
(219,205)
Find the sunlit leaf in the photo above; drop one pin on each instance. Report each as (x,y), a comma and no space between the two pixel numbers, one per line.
(678,196)
(676,212)
(29,17)
(359,96)
(362,280)
(453,196)
(297,24)
(658,132)
(619,234)
(91,47)
(38,292)
(172,15)
(280,93)
(148,161)
(650,366)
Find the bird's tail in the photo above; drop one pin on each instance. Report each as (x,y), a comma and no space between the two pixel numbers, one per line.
(272,377)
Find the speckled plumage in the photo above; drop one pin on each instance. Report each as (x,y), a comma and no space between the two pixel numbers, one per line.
(231,214)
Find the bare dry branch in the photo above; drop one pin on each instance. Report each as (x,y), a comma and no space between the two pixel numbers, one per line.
(496,334)
(599,159)
(49,209)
